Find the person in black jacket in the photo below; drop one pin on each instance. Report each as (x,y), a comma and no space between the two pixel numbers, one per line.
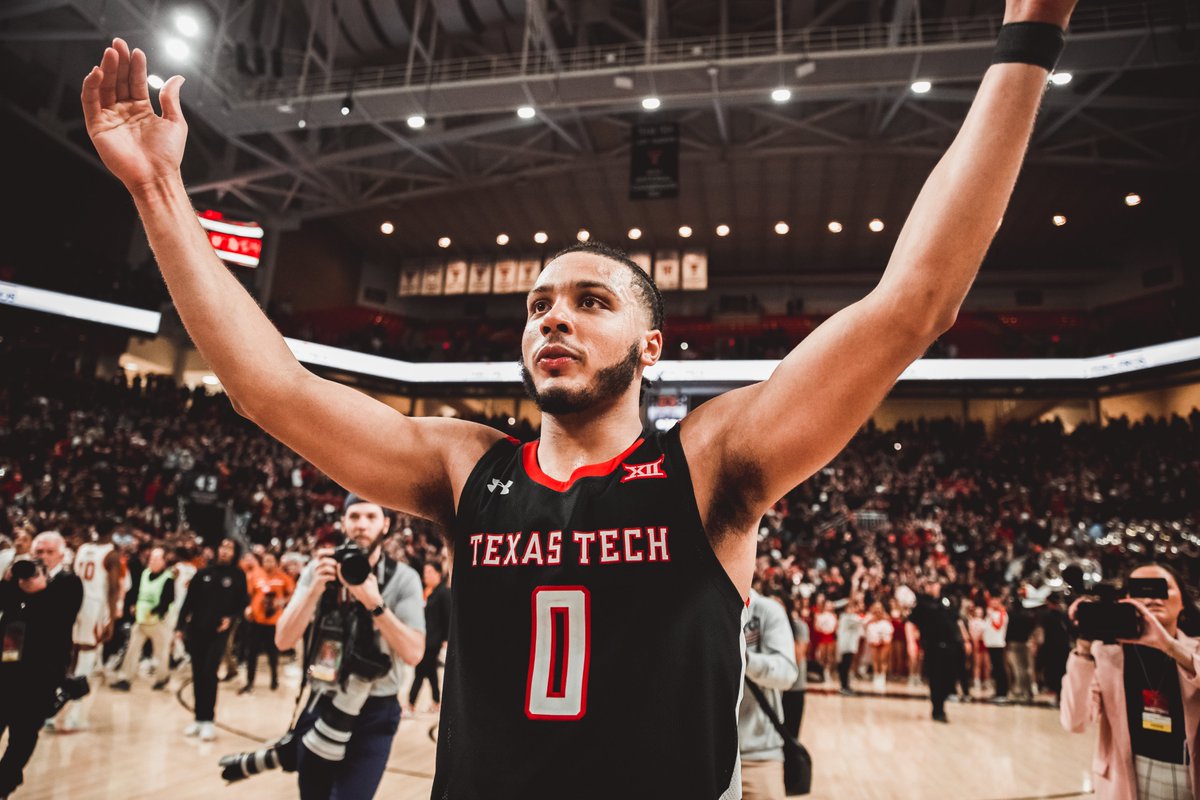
(215,598)
(36,617)
(942,640)
(437,628)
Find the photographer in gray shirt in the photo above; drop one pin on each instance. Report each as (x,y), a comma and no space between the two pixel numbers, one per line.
(771,665)
(367,617)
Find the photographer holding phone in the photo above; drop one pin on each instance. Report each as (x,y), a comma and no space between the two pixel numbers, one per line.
(1144,693)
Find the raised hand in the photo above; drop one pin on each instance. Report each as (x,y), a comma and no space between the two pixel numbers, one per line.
(135,143)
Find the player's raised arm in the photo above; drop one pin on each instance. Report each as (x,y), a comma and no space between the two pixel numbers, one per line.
(792,424)
(362,444)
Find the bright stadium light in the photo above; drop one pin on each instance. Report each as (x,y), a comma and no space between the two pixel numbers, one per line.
(502,239)
(876,225)
(834,226)
(722,230)
(781,95)
(635,233)
(187,24)
(782,228)
(1059,220)
(685,231)
(526,112)
(583,235)
(177,49)
(416,122)
(444,242)
(651,103)
(1060,78)
(541,237)
(921,87)
(1133,199)
(387,228)
(155,81)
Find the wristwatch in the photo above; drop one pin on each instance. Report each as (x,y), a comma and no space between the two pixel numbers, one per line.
(378,610)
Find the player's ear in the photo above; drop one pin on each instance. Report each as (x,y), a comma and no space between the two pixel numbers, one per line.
(652,345)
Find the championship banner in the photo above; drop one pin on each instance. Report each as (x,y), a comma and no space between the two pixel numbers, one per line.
(527,274)
(456,278)
(666,269)
(504,281)
(695,269)
(643,259)
(479,278)
(654,161)
(431,279)
(410,281)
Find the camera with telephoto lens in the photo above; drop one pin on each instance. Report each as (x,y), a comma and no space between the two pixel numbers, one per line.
(343,655)
(1107,620)
(72,688)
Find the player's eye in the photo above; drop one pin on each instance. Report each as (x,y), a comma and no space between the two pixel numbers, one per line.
(539,306)
(591,302)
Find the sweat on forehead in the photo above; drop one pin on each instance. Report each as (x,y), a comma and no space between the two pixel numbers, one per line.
(643,287)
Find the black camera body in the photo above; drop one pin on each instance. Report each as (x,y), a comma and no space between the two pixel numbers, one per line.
(1107,620)
(25,568)
(354,562)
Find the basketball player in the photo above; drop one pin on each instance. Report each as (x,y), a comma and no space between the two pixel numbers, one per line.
(98,566)
(600,574)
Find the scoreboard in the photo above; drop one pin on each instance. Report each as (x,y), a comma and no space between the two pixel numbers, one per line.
(233,241)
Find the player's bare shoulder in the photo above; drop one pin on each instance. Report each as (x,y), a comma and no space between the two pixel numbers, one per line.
(458,444)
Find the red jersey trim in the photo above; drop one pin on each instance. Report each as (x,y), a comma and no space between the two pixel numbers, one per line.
(530,461)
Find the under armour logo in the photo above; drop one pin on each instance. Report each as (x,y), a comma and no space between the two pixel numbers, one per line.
(652,469)
(503,486)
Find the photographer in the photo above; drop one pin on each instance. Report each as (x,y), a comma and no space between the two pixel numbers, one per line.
(37,613)
(346,730)
(1144,693)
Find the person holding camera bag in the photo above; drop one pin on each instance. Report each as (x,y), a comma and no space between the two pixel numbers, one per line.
(366,619)
(37,613)
(1144,693)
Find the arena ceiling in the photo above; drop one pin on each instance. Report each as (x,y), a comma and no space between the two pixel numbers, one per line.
(853,142)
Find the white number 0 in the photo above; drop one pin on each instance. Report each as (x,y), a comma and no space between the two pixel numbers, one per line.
(559,653)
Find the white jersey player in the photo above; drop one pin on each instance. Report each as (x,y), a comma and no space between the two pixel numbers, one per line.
(98,567)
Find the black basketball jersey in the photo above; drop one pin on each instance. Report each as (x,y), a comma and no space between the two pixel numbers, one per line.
(595,639)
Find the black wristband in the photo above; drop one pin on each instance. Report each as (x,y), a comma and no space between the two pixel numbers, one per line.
(1037,43)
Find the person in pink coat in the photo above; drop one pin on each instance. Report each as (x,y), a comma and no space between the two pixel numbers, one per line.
(1145,696)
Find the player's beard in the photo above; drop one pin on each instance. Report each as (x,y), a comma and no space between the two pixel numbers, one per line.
(609,383)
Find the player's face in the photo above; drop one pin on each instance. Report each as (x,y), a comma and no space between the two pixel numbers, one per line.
(364,523)
(587,336)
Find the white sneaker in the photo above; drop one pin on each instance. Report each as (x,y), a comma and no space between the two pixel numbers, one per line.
(208,732)
(193,729)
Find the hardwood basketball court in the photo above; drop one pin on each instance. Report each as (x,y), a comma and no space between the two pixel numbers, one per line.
(863,748)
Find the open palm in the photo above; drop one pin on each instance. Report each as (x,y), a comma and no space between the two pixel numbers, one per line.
(134,142)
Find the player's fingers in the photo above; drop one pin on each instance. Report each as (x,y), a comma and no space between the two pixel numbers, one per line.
(108,78)
(122,68)
(168,97)
(138,87)
(90,96)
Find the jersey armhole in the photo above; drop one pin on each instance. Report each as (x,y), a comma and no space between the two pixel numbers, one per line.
(502,448)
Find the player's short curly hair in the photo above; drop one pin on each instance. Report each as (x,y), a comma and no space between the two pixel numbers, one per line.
(647,289)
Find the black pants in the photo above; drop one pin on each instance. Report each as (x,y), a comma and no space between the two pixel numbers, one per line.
(260,639)
(942,663)
(844,664)
(999,670)
(358,775)
(22,716)
(426,670)
(206,650)
(793,711)
(1054,667)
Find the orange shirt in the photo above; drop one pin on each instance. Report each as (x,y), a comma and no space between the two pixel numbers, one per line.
(269,593)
